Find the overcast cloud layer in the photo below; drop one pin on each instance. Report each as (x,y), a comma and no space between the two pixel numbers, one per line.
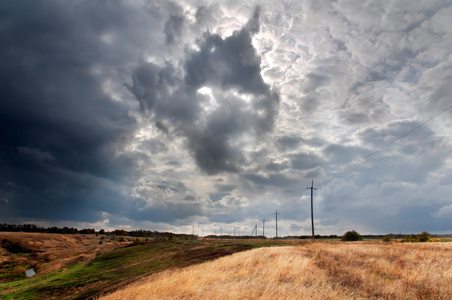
(162,115)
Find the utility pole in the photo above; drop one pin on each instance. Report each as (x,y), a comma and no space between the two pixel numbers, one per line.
(276,213)
(263,228)
(312,209)
(255,227)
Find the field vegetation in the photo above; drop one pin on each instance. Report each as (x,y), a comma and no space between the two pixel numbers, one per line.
(321,270)
(75,266)
(79,266)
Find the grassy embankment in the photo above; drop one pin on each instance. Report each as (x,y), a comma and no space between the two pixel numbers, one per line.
(81,275)
(360,270)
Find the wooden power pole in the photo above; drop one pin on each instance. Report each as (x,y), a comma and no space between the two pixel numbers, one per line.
(276,213)
(312,209)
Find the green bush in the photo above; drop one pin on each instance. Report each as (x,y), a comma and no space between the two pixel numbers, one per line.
(410,239)
(351,236)
(423,237)
(387,238)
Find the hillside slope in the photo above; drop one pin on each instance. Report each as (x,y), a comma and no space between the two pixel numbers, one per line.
(315,271)
(48,252)
(83,267)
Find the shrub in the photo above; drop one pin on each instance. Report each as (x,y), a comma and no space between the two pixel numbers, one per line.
(387,238)
(423,237)
(351,236)
(410,239)
(14,247)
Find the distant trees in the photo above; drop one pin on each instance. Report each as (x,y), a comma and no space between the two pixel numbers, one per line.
(20,227)
(351,236)
(34,228)
(422,237)
(119,232)
(157,236)
(148,234)
(87,231)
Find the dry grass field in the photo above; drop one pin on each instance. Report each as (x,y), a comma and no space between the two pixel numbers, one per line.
(77,266)
(52,251)
(361,270)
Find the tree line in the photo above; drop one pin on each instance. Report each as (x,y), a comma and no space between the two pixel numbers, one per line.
(72,230)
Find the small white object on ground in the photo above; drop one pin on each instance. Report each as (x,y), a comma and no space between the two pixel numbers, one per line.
(30,272)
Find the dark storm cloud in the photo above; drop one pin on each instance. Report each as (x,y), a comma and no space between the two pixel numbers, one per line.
(166,201)
(173,28)
(150,83)
(59,129)
(337,154)
(211,148)
(276,167)
(205,15)
(162,127)
(231,67)
(288,142)
(217,196)
(154,146)
(117,112)
(398,131)
(228,63)
(304,161)
(276,180)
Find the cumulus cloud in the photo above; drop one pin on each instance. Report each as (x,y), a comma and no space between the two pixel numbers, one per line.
(165,114)
(231,68)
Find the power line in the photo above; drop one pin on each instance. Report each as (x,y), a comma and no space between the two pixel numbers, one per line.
(386,158)
(404,135)
(406,148)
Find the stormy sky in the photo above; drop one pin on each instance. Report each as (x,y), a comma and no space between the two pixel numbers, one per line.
(202,114)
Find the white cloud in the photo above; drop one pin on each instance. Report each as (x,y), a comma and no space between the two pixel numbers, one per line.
(444,212)
(210,121)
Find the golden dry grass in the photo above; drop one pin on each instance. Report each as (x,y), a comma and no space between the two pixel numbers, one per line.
(315,271)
